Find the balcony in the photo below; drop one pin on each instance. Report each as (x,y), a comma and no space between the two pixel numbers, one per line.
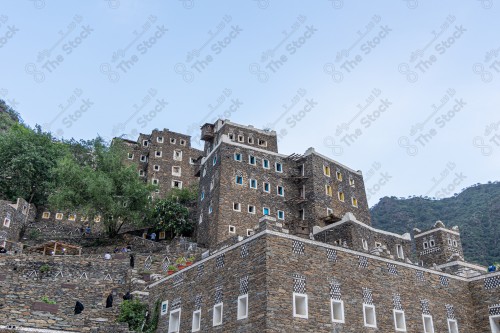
(207,132)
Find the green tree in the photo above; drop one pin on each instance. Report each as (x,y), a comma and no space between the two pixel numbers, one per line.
(133,313)
(171,216)
(8,116)
(186,196)
(102,185)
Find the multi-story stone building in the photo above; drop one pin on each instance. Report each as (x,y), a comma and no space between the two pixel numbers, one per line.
(243,177)
(13,216)
(165,159)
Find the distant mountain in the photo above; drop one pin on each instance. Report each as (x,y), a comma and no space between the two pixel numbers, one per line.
(476,211)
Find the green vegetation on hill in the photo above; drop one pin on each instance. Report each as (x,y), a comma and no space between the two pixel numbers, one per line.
(476,211)
(8,117)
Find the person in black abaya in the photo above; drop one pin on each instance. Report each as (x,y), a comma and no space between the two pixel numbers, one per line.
(109,301)
(132,261)
(127,296)
(78,307)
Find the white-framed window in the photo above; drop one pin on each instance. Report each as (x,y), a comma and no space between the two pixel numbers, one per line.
(369,315)
(232,229)
(241,138)
(182,142)
(428,323)
(399,251)
(326,170)
(338,174)
(156,167)
(452,326)
(202,195)
(145,143)
(425,245)
(46,215)
(251,160)
(6,222)
(177,184)
(266,211)
(280,191)
(231,136)
(278,167)
(351,182)
(242,312)
(72,217)
(157,191)
(192,160)
(237,206)
(328,190)
(251,209)
(210,209)
(176,171)
(432,243)
(251,140)
(399,320)
(214,160)
(155,181)
(302,214)
(59,216)
(217,314)
(341,196)
(196,323)
(495,324)
(174,321)
(300,306)
(455,243)
(204,172)
(249,232)
(130,156)
(354,202)
(266,187)
(164,308)
(237,157)
(178,155)
(337,309)
(378,244)
(172,141)
(281,215)
(158,153)
(252,183)
(159,139)
(329,211)
(200,219)
(262,143)
(365,244)
(239,180)
(212,182)
(450,243)
(265,164)
(141,173)
(143,158)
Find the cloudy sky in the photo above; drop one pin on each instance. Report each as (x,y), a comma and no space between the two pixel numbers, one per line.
(405,90)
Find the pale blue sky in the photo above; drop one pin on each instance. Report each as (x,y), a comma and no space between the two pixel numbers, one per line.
(119,60)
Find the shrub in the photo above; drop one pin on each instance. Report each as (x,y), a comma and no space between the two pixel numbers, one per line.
(45,268)
(45,299)
(132,312)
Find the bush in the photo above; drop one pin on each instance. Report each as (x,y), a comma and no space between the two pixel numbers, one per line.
(133,313)
(45,299)
(45,268)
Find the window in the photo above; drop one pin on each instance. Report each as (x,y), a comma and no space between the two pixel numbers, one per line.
(174,322)
(176,184)
(455,244)
(237,206)
(251,159)
(249,232)
(158,153)
(339,175)
(280,191)
(164,308)
(72,217)
(425,245)
(97,219)
(452,326)
(200,219)
(232,229)
(341,196)
(210,209)
(399,251)
(354,202)
(143,158)
(231,136)
(266,211)
(217,315)
(130,156)
(302,214)
(329,211)
(265,164)
(182,142)
(365,244)
(369,315)
(253,183)
(212,184)
(250,140)
(145,143)
(241,138)
(156,167)
(300,307)
(432,243)
(279,167)
(239,180)
(162,235)
(399,320)
(59,216)
(195,326)
(237,157)
(172,141)
(242,307)
(176,171)
(351,182)
(337,307)
(202,195)
(214,160)
(495,324)
(154,181)
(262,143)
(204,171)
(449,242)
(281,215)
(192,160)
(266,187)
(46,215)
(251,209)
(428,324)
(178,155)
(326,170)
(159,139)
(328,190)
(6,222)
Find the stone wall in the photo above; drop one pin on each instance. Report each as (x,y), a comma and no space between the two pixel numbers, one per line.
(13,215)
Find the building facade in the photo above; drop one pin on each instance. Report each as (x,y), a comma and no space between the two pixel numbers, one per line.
(13,216)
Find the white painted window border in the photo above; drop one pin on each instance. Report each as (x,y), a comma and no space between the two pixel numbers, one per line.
(232,229)
(264,187)
(238,157)
(268,164)
(59,216)
(282,213)
(177,155)
(372,307)
(278,190)
(177,174)
(493,324)
(130,156)
(250,184)
(239,207)
(158,153)
(6,222)
(424,316)
(159,139)
(236,180)
(364,242)
(341,302)
(276,167)
(218,323)
(395,312)
(295,314)
(162,312)
(245,315)
(264,211)
(193,328)
(46,215)
(178,328)
(248,209)
(449,326)
(400,251)
(250,160)
(180,184)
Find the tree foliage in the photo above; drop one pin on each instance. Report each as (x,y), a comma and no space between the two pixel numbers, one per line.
(132,312)
(99,183)
(171,216)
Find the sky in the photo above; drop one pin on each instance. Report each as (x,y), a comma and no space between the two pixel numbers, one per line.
(407,91)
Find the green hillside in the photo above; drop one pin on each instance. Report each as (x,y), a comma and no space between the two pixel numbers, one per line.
(476,211)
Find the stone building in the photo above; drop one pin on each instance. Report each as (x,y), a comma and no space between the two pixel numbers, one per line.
(13,216)
(165,159)
(243,177)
